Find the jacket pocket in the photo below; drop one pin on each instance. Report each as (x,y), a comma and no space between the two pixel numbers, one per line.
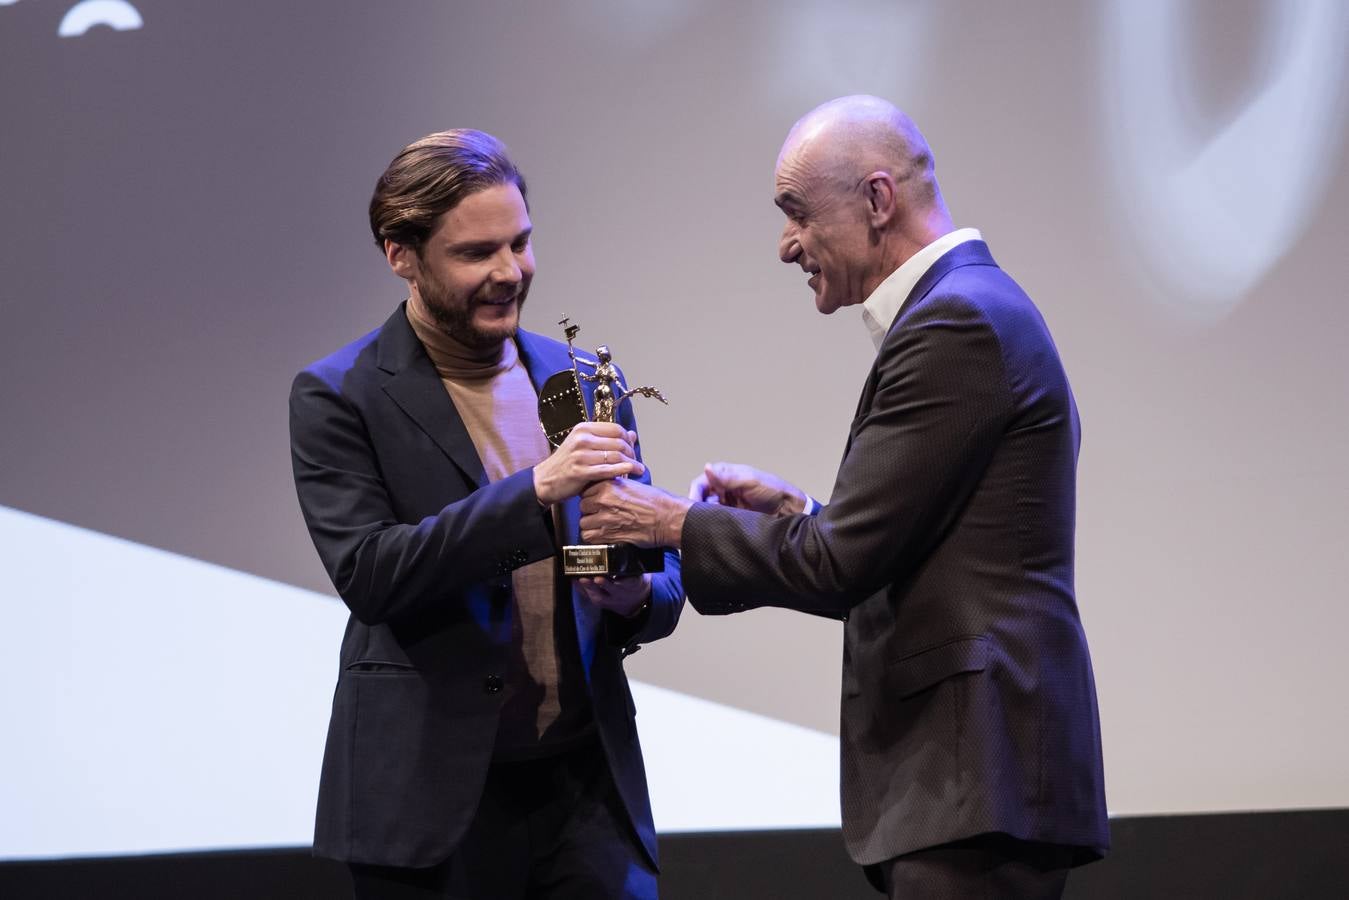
(919,671)
(381,667)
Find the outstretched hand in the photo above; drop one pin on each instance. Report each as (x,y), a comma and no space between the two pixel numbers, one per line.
(744,487)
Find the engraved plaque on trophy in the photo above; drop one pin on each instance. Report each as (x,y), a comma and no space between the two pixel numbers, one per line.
(562,405)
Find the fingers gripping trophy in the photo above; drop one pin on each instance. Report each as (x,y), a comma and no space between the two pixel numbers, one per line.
(562,405)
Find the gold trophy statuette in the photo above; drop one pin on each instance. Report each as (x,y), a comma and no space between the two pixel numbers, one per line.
(562,405)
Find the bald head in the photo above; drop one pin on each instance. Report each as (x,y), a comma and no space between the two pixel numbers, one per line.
(848,138)
(855,181)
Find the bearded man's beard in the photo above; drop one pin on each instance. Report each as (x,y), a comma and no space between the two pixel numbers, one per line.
(456,318)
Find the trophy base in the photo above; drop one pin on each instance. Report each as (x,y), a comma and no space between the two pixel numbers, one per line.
(611,559)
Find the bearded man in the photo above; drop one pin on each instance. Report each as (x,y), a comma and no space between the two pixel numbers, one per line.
(482,741)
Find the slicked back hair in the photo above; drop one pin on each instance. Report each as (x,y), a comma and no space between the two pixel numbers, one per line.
(429,177)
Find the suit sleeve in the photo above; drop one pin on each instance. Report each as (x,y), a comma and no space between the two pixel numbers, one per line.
(917,452)
(383,569)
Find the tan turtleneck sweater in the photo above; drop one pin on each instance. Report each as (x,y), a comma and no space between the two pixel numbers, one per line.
(546,706)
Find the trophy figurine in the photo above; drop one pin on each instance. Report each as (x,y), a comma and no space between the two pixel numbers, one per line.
(562,405)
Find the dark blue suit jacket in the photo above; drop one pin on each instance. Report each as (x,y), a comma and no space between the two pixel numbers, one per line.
(969,704)
(421,547)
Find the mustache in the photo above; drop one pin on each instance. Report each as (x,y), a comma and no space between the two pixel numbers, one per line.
(499,296)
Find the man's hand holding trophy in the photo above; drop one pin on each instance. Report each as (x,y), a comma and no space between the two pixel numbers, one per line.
(611,450)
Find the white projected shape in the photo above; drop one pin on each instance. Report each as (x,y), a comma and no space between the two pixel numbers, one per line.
(162,703)
(115,14)
(165,703)
(1214,216)
(850,47)
(8,2)
(712,767)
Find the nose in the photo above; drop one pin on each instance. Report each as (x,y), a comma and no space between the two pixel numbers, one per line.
(789,248)
(507,269)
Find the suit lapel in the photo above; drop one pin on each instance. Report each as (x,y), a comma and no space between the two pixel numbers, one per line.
(970,253)
(417,390)
(543,358)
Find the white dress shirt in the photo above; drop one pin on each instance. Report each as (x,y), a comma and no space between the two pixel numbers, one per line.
(879,310)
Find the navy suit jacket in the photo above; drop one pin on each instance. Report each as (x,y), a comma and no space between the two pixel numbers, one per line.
(420,546)
(969,704)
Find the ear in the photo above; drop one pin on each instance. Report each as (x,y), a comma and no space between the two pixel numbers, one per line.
(402,259)
(882,198)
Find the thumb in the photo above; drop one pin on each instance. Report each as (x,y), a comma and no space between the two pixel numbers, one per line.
(718,474)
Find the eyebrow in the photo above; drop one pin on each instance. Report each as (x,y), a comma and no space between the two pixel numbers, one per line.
(488,245)
(785,199)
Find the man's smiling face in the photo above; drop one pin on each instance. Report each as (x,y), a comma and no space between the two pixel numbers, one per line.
(826,232)
(473,272)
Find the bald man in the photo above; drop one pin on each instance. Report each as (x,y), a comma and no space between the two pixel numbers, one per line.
(970,739)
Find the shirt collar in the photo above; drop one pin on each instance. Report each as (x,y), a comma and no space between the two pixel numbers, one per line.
(879,310)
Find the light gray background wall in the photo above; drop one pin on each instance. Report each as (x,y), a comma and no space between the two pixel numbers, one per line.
(183,227)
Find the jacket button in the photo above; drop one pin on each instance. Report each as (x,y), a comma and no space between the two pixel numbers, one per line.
(492,684)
